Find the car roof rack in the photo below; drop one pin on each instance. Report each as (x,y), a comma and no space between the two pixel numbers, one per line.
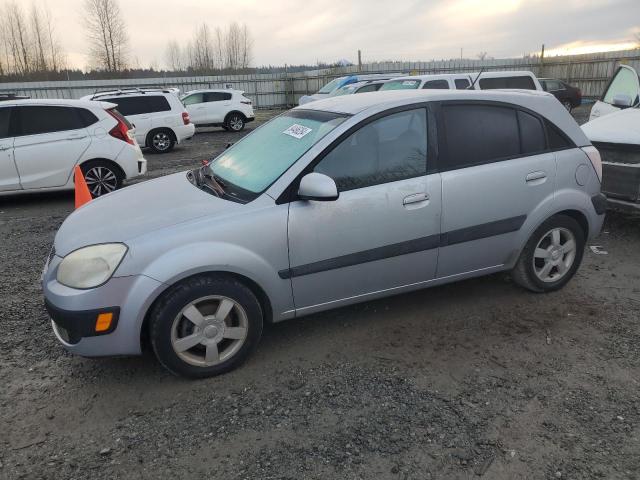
(128,91)
(12,96)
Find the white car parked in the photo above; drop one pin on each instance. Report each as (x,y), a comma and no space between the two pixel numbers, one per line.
(159,117)
(41,142)
(227,108)
(521,80)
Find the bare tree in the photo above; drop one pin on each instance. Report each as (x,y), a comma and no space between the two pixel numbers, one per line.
(482,55)
(247,47)
(107,34)
(233,46)
(173,56)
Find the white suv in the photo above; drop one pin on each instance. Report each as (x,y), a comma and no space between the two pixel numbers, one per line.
(228,109)
(159,118)
(41,142)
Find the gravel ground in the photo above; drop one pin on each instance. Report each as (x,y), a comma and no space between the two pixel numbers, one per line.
(477,379)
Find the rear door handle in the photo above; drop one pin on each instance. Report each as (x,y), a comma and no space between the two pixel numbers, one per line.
(415,198)
(533,176)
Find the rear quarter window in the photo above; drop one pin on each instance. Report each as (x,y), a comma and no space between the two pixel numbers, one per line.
(86,117)
(436,85)
(158,103)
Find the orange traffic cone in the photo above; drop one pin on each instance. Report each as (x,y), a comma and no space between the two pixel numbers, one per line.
(82,190)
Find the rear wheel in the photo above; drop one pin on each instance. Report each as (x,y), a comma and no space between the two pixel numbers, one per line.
(161,141)
(102,177)
(235,122)
(552,255)
(205,326)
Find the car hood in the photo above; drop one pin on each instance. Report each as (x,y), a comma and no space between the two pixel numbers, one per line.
(137,210)
(618,127)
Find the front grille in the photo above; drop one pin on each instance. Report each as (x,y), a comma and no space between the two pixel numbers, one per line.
(620,170)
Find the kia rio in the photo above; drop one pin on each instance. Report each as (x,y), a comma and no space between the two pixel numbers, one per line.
(341,201)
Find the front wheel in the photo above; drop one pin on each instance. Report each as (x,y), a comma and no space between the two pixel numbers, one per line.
(235,122)
(205,326)
(551,256)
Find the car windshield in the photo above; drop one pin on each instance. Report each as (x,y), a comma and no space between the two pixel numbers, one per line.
(332,85)
(250,166)
(400,85)
(346,90)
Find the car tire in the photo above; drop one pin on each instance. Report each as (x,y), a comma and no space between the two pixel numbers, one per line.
(551,256)
(161,141)
(102,177)
(205,326)
(567,104)
(235,122)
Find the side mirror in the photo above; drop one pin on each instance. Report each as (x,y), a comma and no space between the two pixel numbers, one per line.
(318,187)
(622,101)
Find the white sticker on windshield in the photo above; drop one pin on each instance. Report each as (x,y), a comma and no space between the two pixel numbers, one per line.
(297,131)
(409,82)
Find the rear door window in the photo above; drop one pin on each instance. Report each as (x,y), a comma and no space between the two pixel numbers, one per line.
(479,134)
(5,117)
(523,82)
(369,88)
(436,85)
(34,120)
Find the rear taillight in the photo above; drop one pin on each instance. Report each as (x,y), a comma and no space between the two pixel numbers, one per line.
(596,161)
(121,130)
(185,118)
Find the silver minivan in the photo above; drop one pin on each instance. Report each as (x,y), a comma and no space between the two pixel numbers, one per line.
(341,201)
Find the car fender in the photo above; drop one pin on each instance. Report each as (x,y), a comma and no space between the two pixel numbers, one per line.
(194,258)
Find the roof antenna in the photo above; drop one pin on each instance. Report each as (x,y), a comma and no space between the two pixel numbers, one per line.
(470,87)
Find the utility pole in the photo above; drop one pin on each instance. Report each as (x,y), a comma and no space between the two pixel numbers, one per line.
(541,73)
(460,53)
(359,61)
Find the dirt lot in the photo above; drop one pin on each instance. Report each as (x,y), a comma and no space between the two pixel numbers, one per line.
(478,379)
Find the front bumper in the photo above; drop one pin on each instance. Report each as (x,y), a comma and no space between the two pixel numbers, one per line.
(74,313)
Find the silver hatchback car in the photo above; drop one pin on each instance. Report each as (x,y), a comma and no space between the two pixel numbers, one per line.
(340,201)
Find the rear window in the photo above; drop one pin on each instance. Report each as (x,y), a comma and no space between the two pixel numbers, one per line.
(436,85)
(5,115)
(33,120)
(523,82)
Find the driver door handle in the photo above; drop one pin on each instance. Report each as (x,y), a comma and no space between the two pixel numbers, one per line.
(415,198)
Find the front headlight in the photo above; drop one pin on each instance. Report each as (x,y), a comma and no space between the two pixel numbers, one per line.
(91,266)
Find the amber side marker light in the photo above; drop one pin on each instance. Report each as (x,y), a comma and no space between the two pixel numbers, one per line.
(104,322)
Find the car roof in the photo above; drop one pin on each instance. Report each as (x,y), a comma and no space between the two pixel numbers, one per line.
(59,102)
(205,90)
(372,102)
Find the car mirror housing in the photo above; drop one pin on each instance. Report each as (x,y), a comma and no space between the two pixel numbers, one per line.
(318,187)
(622,100)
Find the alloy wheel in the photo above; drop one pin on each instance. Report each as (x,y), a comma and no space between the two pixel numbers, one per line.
(161,141)
(209,331)
(101,180)
(554,255)
(236,123)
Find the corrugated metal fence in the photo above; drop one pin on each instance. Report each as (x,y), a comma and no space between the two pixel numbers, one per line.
(589,72)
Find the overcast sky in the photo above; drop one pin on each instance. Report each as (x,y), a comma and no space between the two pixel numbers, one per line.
(306,31)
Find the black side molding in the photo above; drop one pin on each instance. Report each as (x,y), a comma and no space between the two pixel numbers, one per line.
(599,203)
(430,242)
